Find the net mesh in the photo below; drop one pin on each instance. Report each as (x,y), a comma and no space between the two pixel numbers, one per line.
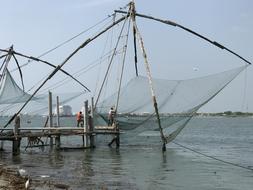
(12,97)
(177,101)
(10,92)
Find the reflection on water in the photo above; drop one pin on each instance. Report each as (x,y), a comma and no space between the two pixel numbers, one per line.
(140,163)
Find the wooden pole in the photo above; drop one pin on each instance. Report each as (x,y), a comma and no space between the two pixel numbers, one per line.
(58,137)
(1,145)
(149,78)
(172,23)
(132,15)
(117,136)
(58,111)
(50,115)
(91,124)
(17,139)
(85,128)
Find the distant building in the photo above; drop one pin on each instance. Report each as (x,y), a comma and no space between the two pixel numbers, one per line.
(65,110)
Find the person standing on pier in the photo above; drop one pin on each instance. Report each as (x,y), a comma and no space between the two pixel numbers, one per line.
(79,118)
(111,116)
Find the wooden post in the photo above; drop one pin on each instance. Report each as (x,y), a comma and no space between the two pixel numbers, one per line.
(91,124)
(17,139)
(50,115)
(1,145)
(58,137)
(85,128)
(149,79)
(58,111)
(117,136)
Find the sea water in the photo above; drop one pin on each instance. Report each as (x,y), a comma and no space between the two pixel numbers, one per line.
(140,163)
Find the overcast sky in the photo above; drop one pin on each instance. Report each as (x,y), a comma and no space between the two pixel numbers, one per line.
(34,27)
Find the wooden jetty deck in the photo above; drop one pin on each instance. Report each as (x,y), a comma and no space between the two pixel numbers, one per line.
(33,134)
(56,132)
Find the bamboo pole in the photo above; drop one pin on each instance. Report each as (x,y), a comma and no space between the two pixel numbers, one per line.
(58,137)
(132,13)
(50,115)
(58,111)
(149,79)
(171,23)
(91,124)
(85,127)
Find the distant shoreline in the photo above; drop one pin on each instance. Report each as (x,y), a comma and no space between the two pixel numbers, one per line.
(223,114)
(227,114)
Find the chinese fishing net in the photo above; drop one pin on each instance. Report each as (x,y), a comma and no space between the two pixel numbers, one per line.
(177,100)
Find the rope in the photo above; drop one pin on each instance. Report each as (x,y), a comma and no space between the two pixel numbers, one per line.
(100,61)
(111,40)
(35,85)
(171,23)
(66,41)
(123,65)
(214,158)
(62,64)
(64,81)
(111,60)
(81,71)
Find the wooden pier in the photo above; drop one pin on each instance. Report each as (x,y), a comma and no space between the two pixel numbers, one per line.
(34,136)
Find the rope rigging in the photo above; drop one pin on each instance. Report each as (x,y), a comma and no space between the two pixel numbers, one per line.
(110,63)
(62,64)
(37,59)
(64,42)
(123,65)
(80,71)
(171,23)
(212,157)
(12,52)
(109,40)
(64,81)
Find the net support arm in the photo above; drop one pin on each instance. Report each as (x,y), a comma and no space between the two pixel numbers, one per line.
(135,53)
(110,63)
(50,64)
(2,56)
(134,37)
(171,23)
(62,64)
(20,72)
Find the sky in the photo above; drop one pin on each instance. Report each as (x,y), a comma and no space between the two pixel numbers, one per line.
(34,27)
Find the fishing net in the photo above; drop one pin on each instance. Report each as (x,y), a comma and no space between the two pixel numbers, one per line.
(10,92)
(177,100)
(39,105)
